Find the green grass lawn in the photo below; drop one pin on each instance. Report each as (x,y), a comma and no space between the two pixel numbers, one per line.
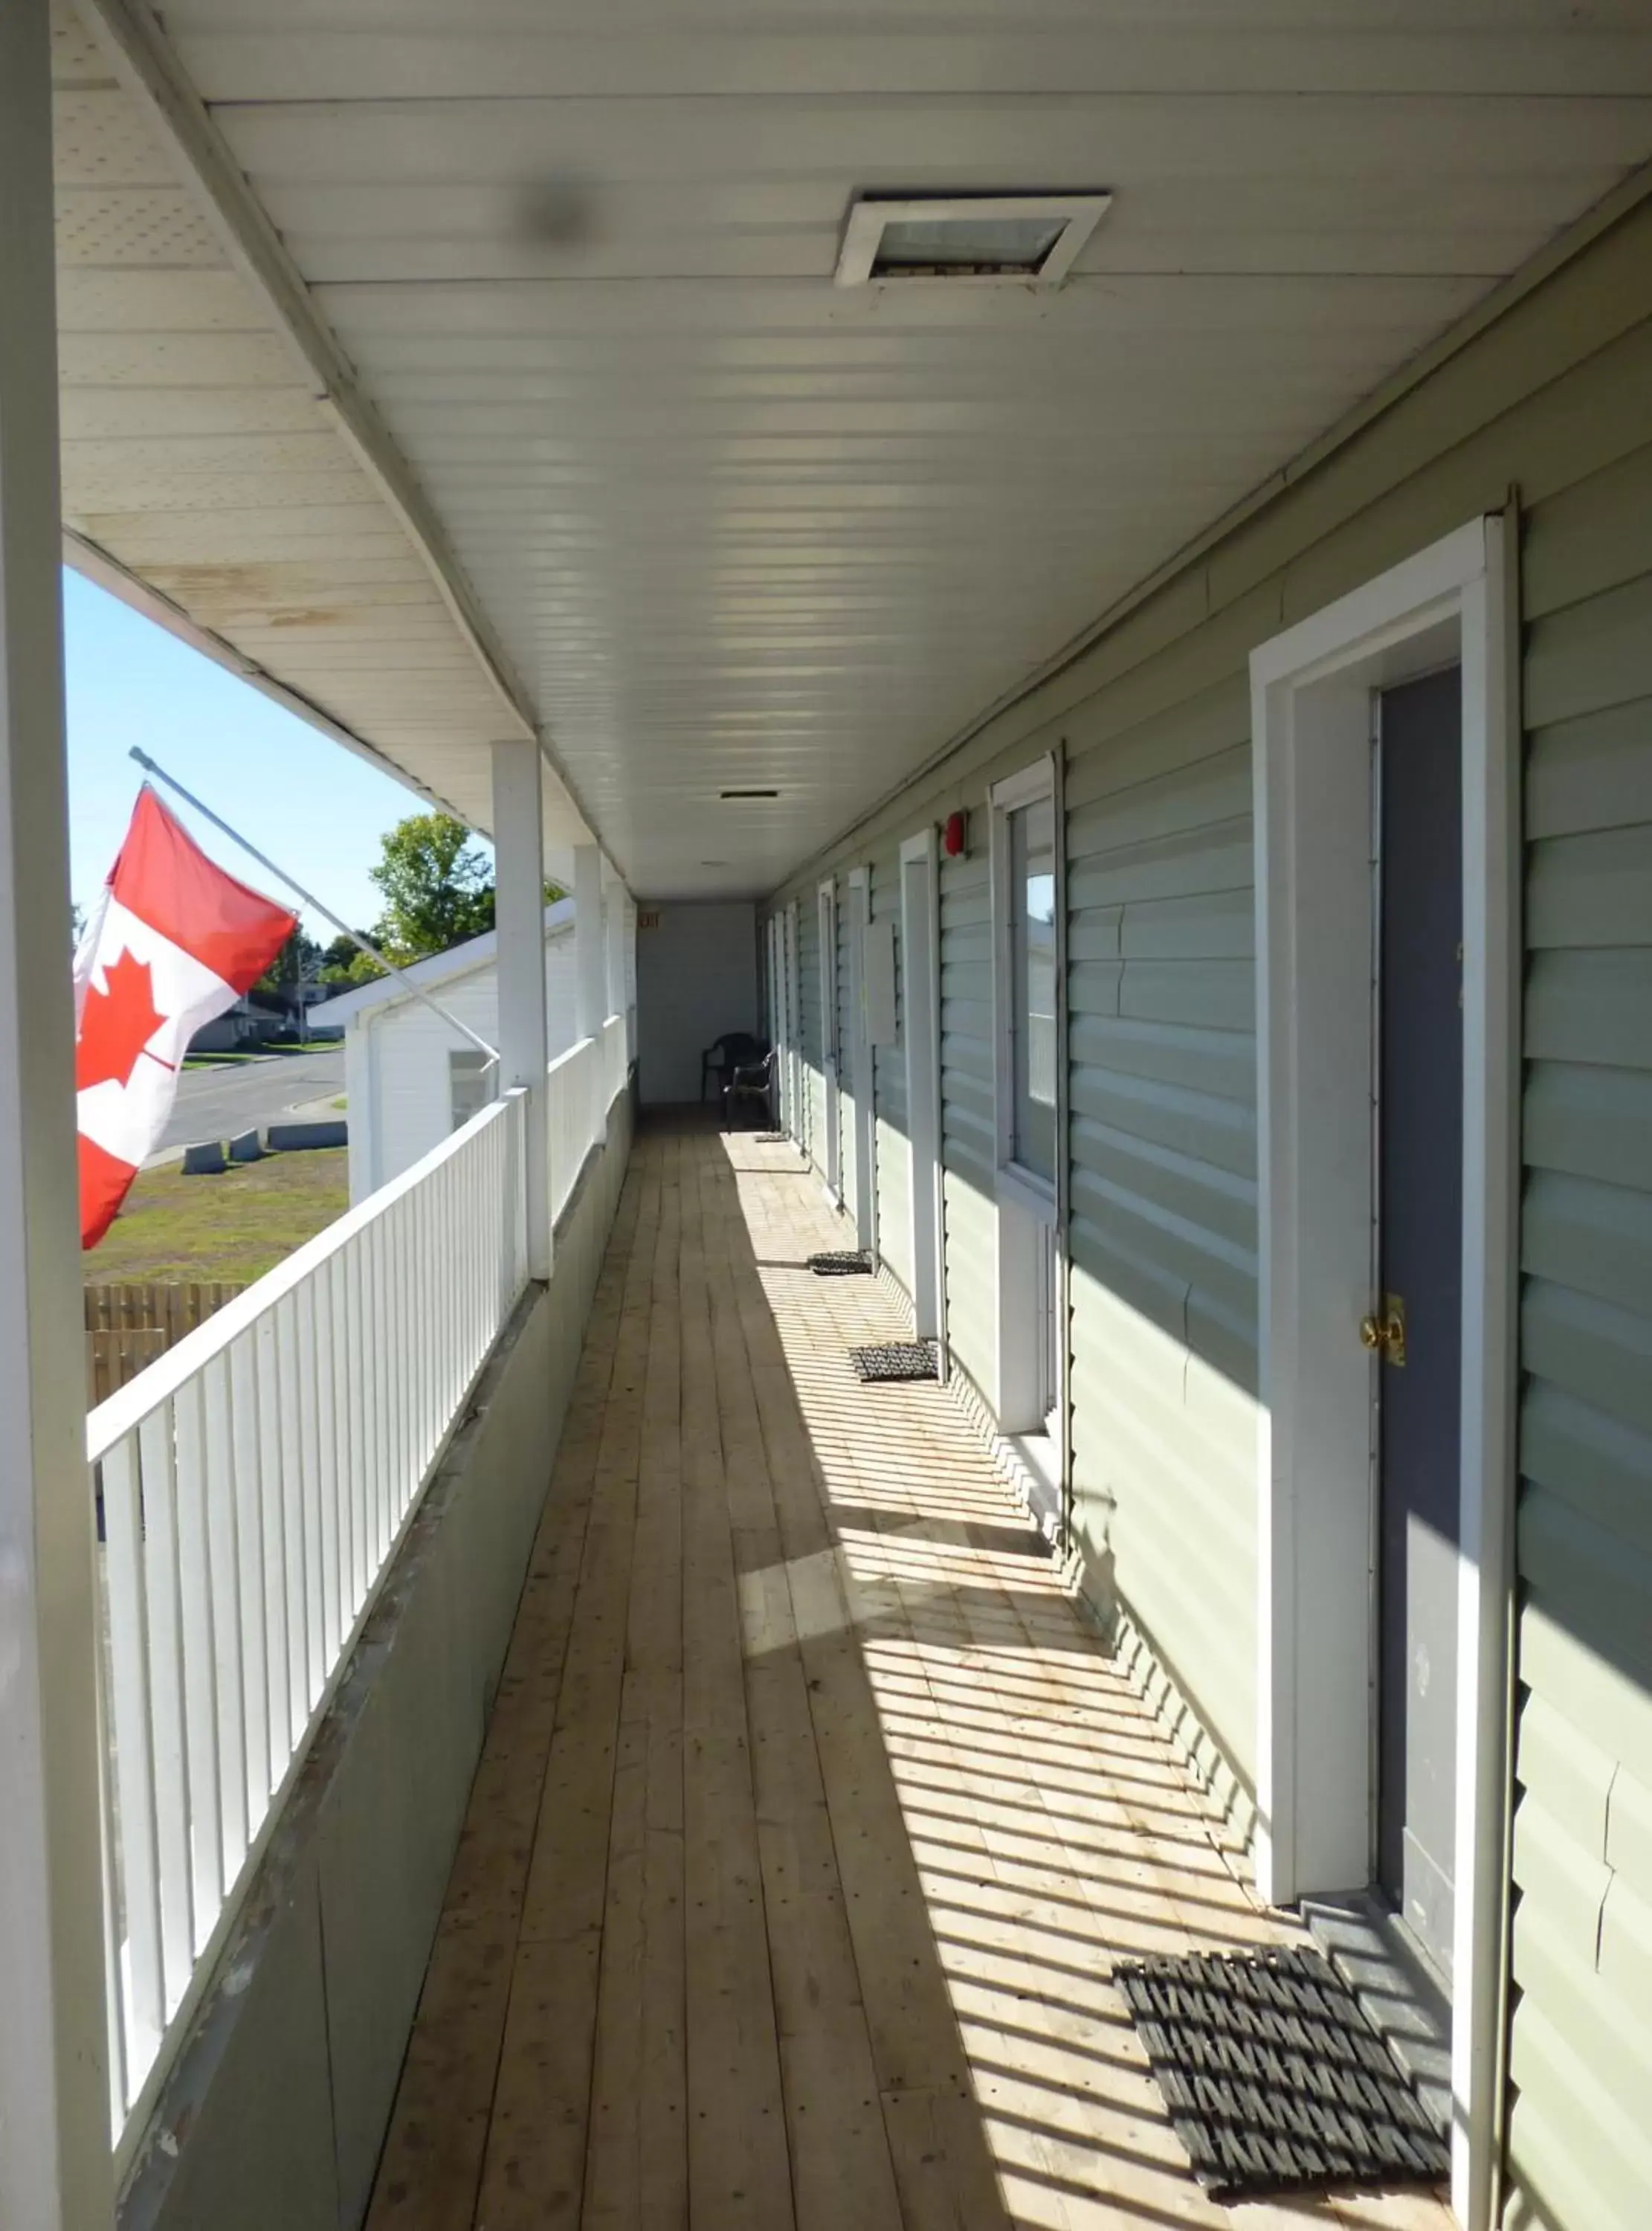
(236,1227)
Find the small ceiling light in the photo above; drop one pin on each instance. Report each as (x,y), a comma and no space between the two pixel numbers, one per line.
(1023,238)
(748,794)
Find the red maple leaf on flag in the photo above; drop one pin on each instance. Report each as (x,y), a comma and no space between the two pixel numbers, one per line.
(116,1024)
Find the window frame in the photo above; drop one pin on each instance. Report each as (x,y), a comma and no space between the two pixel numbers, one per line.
(1034,1194)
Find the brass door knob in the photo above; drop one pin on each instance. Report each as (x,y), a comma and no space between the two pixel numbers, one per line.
(1385,1334)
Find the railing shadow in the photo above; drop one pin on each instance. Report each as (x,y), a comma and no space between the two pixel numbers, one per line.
(812,1814)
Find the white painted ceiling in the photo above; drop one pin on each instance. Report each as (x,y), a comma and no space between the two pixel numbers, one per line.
(736,527)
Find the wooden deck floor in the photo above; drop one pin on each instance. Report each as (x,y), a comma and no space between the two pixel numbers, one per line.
(811,1812)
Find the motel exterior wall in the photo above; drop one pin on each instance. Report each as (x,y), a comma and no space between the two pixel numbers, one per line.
(1545,414)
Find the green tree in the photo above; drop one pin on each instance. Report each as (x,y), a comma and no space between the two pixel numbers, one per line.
(344,962)
(298,959)
(437,886)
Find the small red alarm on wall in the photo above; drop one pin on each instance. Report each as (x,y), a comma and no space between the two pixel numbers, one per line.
(955,836)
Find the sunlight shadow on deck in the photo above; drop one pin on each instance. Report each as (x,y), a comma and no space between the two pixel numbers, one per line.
(813,1812)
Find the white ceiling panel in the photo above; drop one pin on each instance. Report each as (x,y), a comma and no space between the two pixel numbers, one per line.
(731,523)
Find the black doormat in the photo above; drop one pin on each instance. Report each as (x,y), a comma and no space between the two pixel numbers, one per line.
(770,1138)
(840,1266)
(1275,2079)
(898,1359)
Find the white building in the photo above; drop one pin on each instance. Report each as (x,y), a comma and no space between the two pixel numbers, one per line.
(410,1078)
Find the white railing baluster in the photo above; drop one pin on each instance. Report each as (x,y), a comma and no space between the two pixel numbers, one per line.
(255,1481)
(197,1605)
(116,1994)
(355,1410)
(326,1462)
(134,1757)
(289,1433)
(228,1632)
(166,1706)
(315,1584)
(378,1323)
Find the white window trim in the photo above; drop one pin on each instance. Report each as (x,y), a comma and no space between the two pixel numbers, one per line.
(1311,690)
(924,1092)
(1030,1190)
(1023,1199)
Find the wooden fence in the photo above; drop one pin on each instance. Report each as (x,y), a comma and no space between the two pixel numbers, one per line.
(129,1325)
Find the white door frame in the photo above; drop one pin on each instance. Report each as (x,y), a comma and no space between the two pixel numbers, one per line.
(866,1136)
(920,1032)
(777,1019)
(1026,1202)
(826,903)
(1312,690)
(799,1123)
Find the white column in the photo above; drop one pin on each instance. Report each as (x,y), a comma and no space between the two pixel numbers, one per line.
(591,1009)
(55,2134)
(613,945)
(518,856)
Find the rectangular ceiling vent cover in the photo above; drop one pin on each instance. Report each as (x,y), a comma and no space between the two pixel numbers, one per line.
(726,794)
(1022,238)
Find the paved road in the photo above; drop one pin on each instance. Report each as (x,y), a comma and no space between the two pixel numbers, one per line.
(214,1103)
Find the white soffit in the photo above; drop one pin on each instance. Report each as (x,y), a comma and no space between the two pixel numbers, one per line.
(206,484)
(736,526)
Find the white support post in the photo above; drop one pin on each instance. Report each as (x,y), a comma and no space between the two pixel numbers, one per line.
(613,945)
(519,853)
(590,1011)
(54,2097)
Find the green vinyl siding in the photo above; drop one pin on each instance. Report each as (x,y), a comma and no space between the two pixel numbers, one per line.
(1163,1147)
(1552,405)
(889,1072)
(969,1119)
(1581,2050)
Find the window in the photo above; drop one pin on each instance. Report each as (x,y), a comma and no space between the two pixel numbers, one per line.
(1031,897)
(472,1081)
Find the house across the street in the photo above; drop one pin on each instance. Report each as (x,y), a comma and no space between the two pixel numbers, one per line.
(410,1078)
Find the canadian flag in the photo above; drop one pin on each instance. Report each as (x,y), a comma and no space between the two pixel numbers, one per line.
(171,942)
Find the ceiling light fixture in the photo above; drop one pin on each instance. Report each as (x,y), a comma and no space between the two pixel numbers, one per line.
(1028,238)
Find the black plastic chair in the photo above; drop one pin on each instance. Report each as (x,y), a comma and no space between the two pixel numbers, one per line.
(733,1050)
(750,1080)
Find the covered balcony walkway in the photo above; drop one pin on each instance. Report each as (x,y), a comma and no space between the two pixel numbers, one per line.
(812,1811)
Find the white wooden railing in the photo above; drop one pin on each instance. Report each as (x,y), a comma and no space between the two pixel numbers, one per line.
(255,1483)
(584,1084)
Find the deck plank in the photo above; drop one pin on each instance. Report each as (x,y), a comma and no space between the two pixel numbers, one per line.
(533,2169)
(739,2170)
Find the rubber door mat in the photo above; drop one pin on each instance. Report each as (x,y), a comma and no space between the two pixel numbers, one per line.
(1274,2080)
(899,1358)
(840,1266)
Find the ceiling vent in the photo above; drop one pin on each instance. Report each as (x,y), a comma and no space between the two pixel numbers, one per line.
(748,794)
(1024,239)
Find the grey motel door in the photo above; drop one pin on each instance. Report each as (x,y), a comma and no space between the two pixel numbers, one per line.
(1419,1149)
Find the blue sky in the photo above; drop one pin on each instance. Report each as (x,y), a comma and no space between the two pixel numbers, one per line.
(305,801)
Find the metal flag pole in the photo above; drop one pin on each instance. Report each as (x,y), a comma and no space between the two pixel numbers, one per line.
(311,900)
